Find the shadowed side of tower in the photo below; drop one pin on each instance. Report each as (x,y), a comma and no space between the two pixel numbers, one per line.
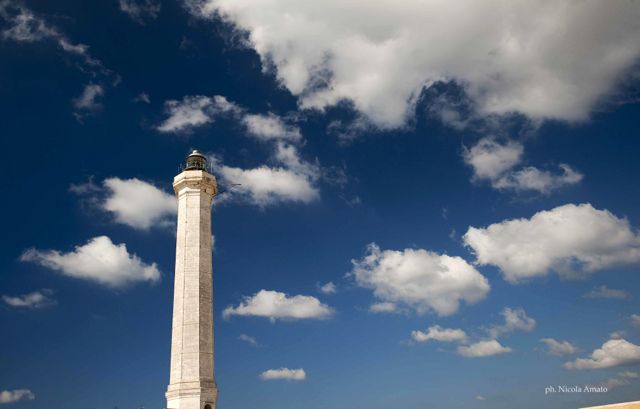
(192,382)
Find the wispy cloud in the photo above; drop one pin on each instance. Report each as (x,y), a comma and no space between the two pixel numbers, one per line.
(33,300)
(284,373)
(605,292)
(248,339)
(16,395)
(140,11)
(24,26)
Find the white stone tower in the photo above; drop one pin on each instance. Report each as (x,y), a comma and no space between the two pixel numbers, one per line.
(192,383)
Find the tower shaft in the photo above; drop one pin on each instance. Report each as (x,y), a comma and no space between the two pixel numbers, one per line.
(192,382)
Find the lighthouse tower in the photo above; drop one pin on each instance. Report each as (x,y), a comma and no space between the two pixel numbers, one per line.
(192,383)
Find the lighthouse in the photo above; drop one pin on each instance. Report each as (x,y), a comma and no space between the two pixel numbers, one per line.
(192,382)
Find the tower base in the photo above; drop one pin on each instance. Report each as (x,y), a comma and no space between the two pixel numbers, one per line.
(192,395)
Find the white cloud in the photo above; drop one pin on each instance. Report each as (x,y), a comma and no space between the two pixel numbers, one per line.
(265,186)
(383,307)
(559,348)
(605,292)
(437,333)
(34,300)
(291,180)
(573,240)
(328,288)
(138,204)
(483,349)
(507,56)
(284,373)
(635,320)
(420,279)
(88,99)
(133,202)
(622,379)
(142,97)
(140,10)
(534,179)
(16,395)
(628,375)
(276,305)
(197,110)
(491,159)
(26,27)
(615,352)
(99,260)
(270,126)
(248,339)
(494,161)
(617,334)
(514,319)
(193,111)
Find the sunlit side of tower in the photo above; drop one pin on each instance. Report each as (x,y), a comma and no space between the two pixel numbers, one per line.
(192,382)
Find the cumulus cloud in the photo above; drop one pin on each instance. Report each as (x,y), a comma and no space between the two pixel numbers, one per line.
(573,240)
(495,162)
(99,260)
(491,159)
(137,203)
(559,348)
(34,300)
(264,185)
(420,279)
(615,352)
(605,292)
(328,288)
(284,373)
(383,307)
(294,180)
(482,349)
(437,333)
(133,202)
(140,10)
(276,305)
(16,395)
(508,57)
(514,319)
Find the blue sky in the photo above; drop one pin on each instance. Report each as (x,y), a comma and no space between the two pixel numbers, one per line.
(438,203)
